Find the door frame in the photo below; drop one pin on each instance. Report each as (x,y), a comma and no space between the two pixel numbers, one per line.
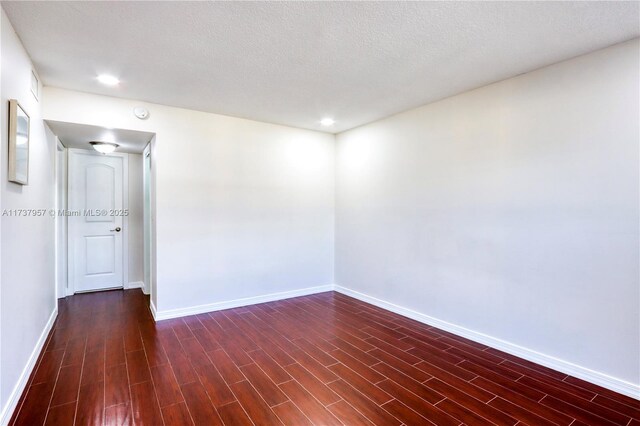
(61,230)
(125,219)
(147,221)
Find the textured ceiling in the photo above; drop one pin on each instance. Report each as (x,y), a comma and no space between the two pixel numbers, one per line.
(295,62)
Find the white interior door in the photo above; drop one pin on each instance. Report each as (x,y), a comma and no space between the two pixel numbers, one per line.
(96,212)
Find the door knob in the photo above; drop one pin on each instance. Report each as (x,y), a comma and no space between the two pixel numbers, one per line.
(116,230)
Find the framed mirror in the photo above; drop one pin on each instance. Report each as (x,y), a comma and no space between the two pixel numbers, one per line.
(18,143)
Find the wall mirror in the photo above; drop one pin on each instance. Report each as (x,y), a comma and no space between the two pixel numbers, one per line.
(18,143)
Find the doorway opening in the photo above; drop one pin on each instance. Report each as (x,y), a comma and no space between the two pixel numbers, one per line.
(104,214)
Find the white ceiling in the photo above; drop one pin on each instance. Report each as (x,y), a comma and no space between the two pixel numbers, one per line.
(73,135)
(295,62)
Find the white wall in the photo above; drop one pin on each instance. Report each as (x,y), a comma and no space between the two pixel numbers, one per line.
(27,245)
(149,218)
(61,222)
(511,210)
(135,220)
(243,208)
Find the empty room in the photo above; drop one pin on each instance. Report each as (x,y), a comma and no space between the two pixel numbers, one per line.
(319,213)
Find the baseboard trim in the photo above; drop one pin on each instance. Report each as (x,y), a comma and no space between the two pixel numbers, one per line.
(595,377)
(154,312)
(12,402)
(136,284)
(236,303)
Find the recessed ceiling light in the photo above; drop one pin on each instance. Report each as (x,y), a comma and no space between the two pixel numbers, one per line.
(108,80)
(327,121)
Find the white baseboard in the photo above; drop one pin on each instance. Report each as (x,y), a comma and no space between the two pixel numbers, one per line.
(152,308)
(595,377)
(193,310)
(137,284)
(12,402)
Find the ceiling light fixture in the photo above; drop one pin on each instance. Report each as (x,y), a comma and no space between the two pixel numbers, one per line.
(108,80)
(327,122)
(104,147)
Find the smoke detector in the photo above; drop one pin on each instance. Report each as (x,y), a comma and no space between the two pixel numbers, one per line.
(141,112)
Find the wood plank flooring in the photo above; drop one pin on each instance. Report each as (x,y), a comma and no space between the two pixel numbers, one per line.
(325,359)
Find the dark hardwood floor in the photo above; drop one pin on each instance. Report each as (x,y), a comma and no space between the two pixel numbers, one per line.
(323,359)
